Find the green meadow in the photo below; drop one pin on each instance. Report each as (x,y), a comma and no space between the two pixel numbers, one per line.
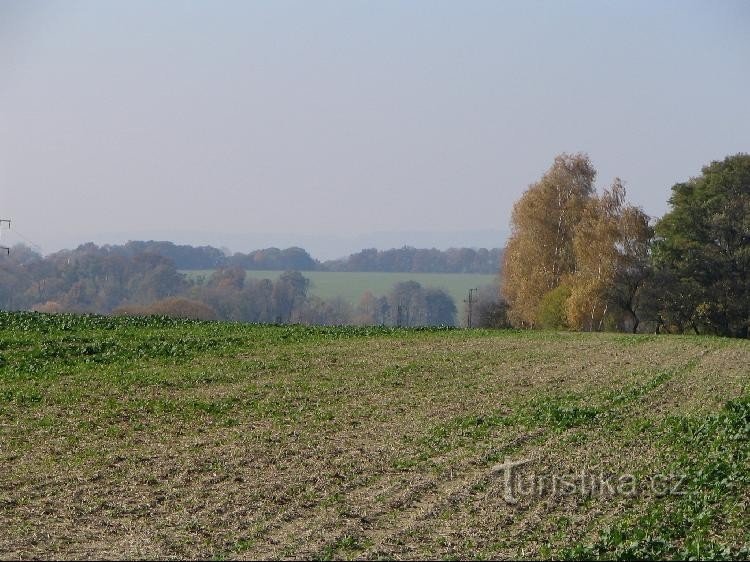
(351,285)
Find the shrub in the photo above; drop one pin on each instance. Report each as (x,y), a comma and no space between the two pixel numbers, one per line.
(552,310)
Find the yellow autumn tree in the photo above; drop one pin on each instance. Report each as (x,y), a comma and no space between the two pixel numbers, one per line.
(610,246)
(539,253)
(596,257)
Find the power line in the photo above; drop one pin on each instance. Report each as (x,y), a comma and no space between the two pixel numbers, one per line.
(33,244)
(21,235)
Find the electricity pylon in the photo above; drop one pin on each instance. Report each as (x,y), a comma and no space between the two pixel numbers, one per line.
(5,248)
(470,302)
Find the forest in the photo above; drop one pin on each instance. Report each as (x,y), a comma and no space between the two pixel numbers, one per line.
(134,279)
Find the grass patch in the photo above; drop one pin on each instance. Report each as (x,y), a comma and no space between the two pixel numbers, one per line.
(712,458)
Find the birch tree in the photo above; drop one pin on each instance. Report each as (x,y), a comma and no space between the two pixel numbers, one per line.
(540,253)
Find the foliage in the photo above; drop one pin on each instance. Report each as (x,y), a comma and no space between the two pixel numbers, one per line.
(319,312)
(88,279)
(182,256)
(703,251)
(406,259)
(713,461)
(131,279)
(598,246)
(540,253)
(491,309)
(175,307)
(410,304)
(611,246)
(552,311)
(416,260)
(272,258)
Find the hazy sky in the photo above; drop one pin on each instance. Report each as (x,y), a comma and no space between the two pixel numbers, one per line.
(215,121)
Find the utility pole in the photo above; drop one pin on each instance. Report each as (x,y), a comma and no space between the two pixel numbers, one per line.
(470,300)
(7,250)
(402,314)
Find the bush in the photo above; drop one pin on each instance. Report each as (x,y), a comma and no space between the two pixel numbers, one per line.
(552,311)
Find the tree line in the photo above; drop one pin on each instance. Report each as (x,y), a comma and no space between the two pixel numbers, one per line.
(586,261)
(420,260)
(406,259)
(107,280)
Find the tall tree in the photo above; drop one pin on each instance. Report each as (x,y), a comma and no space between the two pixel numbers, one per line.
(703,245)
(289,292)
(440,308)
(406,303)
(372,310)
(611,246)
(540,250)
(634,269)
(491,309)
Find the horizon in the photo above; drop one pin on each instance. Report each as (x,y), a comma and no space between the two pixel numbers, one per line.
(228,251)
(231,122)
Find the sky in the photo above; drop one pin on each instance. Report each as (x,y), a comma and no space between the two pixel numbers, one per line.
(340,125)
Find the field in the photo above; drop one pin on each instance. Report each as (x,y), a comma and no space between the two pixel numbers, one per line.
(351,285)
(155,438)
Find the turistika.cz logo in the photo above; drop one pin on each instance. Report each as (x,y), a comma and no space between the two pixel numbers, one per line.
(519,482)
